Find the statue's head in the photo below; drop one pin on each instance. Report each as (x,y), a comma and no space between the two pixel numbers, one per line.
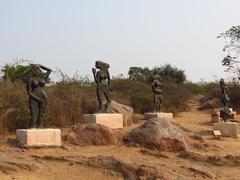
(102,65)
(157,77)
(35,69)
(222,81)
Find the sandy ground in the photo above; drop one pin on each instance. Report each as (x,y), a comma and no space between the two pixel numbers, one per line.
(24,164)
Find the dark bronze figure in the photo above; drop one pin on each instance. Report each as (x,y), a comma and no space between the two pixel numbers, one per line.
(224,111)
(35,80)
(157,90)
(102,79)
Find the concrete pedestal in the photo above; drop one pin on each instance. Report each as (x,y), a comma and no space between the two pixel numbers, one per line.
(150,115)
(39,137)
(228,129)
(113,121)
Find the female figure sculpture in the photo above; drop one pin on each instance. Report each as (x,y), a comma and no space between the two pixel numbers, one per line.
(224,112)
(157,90)
(35,80)
(102,79)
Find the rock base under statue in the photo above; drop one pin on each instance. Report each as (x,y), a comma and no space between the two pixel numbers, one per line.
(158,115)
(39,137)
(113,121)
(215,117)
(228,129)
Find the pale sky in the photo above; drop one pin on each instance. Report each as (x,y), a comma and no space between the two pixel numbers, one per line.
(72,34)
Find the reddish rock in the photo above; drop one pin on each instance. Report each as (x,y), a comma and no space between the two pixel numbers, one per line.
(92,134)
(158,134)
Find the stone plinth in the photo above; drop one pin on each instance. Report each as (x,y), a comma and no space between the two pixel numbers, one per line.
(113,121)
(158,115)
(39,137)
(228,129)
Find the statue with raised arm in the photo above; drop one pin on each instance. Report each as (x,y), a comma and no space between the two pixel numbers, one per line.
(35,79)
(102,79)
(224,111)
(157,91)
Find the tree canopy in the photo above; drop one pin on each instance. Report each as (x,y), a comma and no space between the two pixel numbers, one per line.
(232,49)
(13,72)
(167,72)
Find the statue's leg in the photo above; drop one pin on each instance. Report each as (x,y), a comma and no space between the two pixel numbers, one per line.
(100,95)
(42,115)
(34,108)
(108,98)
(157,106)
(159,103)
(155,103)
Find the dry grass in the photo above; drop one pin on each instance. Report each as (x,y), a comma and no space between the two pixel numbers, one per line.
(68,101)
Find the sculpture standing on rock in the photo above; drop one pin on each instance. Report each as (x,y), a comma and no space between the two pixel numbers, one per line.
(224,112)
(35,79)
(157,90)
(102,79)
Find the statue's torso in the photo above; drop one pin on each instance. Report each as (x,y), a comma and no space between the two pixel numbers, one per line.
(157,87)
(102,76)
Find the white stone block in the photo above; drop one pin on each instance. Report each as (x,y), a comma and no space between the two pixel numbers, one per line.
(158,115)
(39,137)
(113,121)
(228,129)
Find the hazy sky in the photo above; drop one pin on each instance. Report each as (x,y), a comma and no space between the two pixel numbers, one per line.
(72,34)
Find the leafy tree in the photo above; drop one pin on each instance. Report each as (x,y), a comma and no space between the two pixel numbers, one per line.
(140,74)
(232,49)
(13,72)
(167,72)
(170,73)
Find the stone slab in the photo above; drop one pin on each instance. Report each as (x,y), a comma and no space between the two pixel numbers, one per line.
(39,137)
(228,129)
(158,115)
(113,121)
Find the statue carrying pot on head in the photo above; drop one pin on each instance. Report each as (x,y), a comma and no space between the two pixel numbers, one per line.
(102,79)
(157,90)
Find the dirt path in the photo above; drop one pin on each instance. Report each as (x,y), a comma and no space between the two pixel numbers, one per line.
(116,162)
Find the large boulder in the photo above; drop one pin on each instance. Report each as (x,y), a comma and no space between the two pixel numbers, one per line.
(158,134)
(92,134)
(126,111)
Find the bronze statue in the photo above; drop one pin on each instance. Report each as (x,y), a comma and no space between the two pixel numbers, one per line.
(102,79)
(157,90)
(35,80)
(224,111)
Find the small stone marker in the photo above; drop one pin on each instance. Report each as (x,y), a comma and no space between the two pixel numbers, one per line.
(217,134)
(228,129)
(39,137)
(158,115)
(113,121)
